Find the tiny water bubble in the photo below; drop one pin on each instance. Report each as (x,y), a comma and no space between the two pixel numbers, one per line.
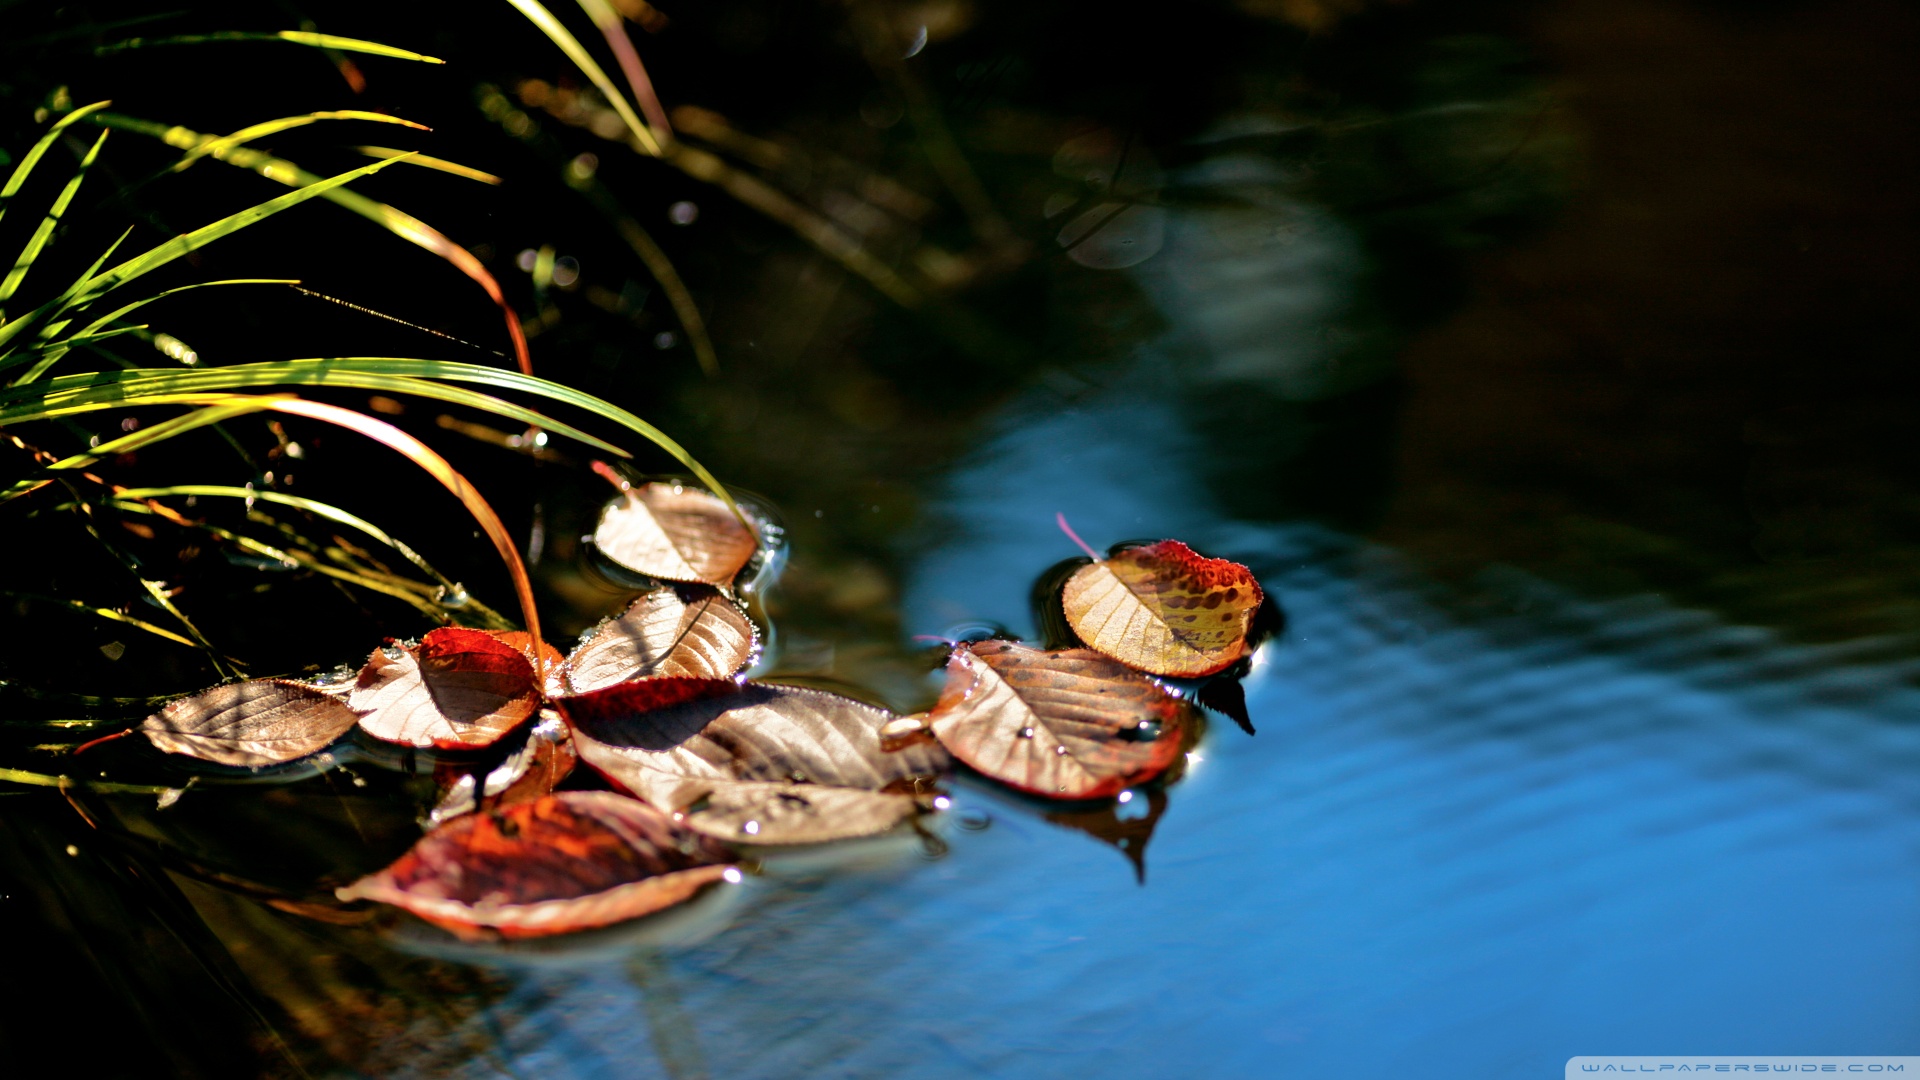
(974,820)
(1026,733)
(732,875)
(751,828)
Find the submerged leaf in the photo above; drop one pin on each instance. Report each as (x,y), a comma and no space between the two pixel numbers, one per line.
(692,632)
(1164,608)
(458,690)
(755,764)
(573,861)
(261,722)
(1071,724)
(674,533)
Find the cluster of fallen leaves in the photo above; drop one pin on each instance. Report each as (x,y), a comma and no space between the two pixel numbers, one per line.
(704,762)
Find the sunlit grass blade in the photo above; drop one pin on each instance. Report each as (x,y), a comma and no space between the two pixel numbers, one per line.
(106,613)
(403,225)
(538,14)
(417,377)
(52,353)
(268,128)
(427,162)
(43,234)
(436,466)
(34,779)
(154,258)
(215,408)
(294,37)
(319,509)
(114,396)
(18,177)
(613,27)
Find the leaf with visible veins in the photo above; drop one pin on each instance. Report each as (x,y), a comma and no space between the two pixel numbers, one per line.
(690,631)
(255,723)
(1164,609)
(572,861)
(757,764)
(1071,724)
(530,771)
(459,689)
(674,533)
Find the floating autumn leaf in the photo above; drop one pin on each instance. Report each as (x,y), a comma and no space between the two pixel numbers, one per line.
(758,764)
(1071,724)
(690,631)
(555,666)
(459,689)
(256,723)
(530,771)
(1164,609)
(572,861)
(674,533)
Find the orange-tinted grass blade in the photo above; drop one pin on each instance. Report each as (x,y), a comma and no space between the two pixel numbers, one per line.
(425,457)
(1060,519)
(614,28)
(537,13)
(91,743)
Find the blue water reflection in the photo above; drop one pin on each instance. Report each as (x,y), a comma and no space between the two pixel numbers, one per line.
(1466,847)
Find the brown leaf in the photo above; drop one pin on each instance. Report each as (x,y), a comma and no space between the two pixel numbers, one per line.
(1068,725)
(1164,609)
(530,771)
(690,631)
(459,689)
(572,861)
(674,533)
(262,722)
(756,764)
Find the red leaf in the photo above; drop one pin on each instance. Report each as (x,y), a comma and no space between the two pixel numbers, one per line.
(573,861)
(674,533)
(522,641)
(1164,609)
(755,764)
(689,631)
(262,722)
(458,690)
(1068,725)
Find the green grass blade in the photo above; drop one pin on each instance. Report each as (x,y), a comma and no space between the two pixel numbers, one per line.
(294,37)
(269,128)
(107,613)
(312,506)
(217,379)
(43,235)
(537,13)
(159,256)
(235,405)
(21,171)
(54,352)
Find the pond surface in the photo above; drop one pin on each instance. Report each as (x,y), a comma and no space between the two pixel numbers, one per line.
(1549,364)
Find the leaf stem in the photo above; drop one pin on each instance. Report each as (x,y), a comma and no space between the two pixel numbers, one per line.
(1060,519)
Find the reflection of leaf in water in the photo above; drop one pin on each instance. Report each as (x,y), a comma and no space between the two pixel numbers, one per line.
(572,861)
(1127,826)
(459,689)
(674,533)
(757,764)
(1228,698)
(255,723)
(1163,608)
(690,631)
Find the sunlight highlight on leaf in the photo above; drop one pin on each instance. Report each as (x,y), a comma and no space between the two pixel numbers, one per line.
(267,128)
(428,162)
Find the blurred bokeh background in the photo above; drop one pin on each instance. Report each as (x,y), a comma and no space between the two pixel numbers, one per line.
(1551,362)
